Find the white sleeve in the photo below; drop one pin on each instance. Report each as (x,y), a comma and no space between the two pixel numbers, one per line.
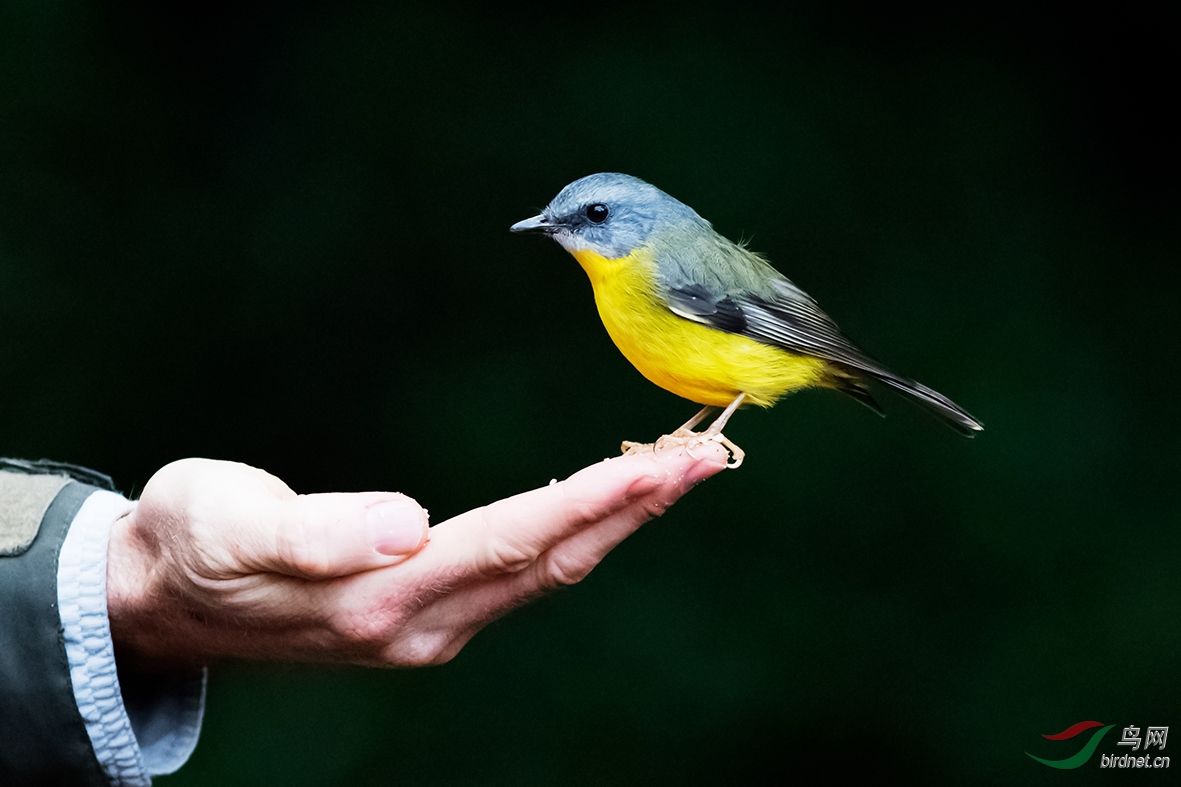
(140,725)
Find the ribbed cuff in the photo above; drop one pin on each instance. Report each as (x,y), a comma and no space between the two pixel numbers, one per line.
(149,726)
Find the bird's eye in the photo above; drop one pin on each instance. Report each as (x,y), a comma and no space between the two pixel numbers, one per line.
(597,213)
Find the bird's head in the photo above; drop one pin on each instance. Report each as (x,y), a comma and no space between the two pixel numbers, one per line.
(610,214)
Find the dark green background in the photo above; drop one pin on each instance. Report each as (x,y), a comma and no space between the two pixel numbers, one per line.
(279,235)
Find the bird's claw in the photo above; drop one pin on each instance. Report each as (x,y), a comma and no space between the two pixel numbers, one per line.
(687,440)
(684,437)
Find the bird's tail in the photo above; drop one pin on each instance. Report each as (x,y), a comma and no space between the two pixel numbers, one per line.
(948,411)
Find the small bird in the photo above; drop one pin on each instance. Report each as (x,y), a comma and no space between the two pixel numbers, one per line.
(704,317)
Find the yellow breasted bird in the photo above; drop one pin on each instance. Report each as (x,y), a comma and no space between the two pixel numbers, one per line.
(703,317)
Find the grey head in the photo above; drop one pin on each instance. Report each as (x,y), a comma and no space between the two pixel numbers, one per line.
(611,214)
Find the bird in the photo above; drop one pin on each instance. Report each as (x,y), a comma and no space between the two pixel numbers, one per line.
(704,317)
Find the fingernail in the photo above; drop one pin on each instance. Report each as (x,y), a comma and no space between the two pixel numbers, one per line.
(396,527)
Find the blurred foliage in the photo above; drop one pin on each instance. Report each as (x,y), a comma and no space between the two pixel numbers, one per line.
(276,233)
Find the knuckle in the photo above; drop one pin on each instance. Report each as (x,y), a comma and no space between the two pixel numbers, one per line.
(505,557)
(558,570)
(307,560)
(445,655)
(654,508)
(419,650)
(305,555)
(502,555)
(586,512)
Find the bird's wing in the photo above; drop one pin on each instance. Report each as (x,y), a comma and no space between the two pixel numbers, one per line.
(785,317)
(764,306)
(711,280)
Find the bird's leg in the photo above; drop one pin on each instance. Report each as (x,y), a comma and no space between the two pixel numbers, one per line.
(684,434)
(686,429)
(719,423)
(714,433)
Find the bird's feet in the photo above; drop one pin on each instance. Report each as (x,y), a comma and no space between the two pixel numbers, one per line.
(686,439)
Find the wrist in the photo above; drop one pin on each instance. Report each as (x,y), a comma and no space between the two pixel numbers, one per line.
(135,605)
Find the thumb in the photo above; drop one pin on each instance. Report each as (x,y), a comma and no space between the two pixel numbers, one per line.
(332,535)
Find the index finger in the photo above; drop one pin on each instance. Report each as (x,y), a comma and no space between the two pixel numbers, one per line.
(508,535)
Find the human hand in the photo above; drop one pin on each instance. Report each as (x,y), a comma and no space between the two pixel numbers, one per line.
(220,559)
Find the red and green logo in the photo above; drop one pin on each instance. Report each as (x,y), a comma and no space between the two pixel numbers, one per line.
(1083,754)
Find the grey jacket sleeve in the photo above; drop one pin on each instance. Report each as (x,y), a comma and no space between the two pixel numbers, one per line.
(43,739)
(65,716)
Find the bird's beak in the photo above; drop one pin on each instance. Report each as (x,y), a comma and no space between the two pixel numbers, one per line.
(538,223)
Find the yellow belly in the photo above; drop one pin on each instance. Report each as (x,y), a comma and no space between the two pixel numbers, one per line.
(695,361)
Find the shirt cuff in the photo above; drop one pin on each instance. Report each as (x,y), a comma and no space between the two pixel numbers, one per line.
(139,725)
